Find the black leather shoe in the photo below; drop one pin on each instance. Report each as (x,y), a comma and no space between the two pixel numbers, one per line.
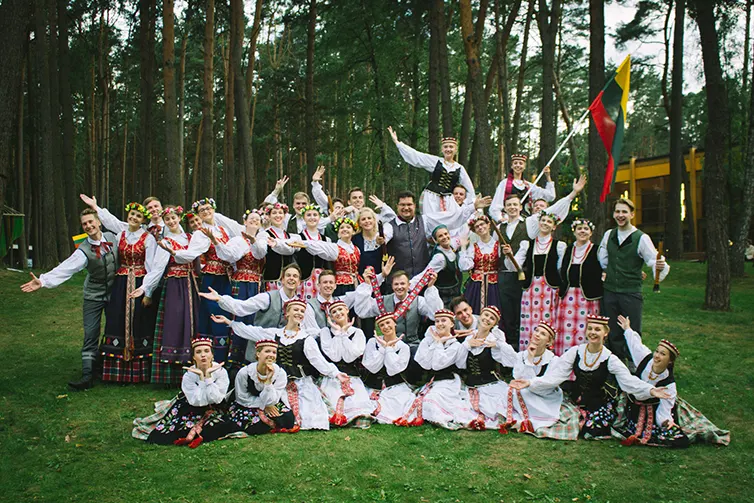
(84,383)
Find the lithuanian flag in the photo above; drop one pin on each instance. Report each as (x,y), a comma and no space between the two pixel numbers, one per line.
(609,114)
(78,239)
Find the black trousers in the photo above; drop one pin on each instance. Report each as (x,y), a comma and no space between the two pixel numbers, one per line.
(510,291)
(629,305)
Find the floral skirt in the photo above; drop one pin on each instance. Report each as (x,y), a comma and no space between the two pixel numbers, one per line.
(253,421)
(596,424)
(178,420)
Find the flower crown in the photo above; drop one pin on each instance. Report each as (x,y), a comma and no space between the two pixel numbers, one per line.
(202,202)
(254,211)
(581,221)
(555,218)
(345,220)
(478,218)
(276,206)
(311,207)
(177,210)
(138,207)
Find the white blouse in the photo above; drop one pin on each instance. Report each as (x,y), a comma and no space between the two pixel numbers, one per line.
(209,391)
(562,368)
(269,393)
(340,345)
(395,358)
(434,355)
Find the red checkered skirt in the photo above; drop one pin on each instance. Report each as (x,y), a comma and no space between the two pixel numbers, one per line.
(539,302)
(571,319)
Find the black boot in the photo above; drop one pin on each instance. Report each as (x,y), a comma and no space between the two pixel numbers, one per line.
(85,382)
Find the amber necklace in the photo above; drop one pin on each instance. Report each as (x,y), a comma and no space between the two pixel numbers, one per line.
(590,365)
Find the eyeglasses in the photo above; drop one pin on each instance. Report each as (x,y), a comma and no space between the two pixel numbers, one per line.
(204,210)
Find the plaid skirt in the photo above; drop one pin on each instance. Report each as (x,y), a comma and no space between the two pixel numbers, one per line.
(180,303)
(570,325)
(539,302)
(218,332)
(237,349)
(141,323)
(692,426)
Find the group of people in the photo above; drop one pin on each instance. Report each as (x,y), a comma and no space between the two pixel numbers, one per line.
(337,314)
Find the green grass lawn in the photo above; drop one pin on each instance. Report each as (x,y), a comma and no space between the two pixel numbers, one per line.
(60,446)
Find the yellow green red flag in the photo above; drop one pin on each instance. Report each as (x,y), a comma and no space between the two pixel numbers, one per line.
(608,112)
(78,239)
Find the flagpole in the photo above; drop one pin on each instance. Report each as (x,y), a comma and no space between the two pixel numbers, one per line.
(576,127)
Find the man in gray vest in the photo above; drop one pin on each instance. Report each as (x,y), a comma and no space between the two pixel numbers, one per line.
(267,307)
(99,256)
(321,303)
(622,253)
(410,323)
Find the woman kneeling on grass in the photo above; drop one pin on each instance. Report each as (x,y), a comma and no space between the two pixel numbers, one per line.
(195,415)
(668,422)
(261,404)
(594,365)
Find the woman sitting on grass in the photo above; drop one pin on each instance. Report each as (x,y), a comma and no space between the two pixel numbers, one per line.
(668,422)
(195,415)
(592,391)
(299,355)
(261,404)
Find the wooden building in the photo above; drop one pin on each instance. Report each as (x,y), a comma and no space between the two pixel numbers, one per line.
(647,183)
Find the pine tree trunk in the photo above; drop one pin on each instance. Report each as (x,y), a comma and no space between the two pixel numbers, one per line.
(673,224)
(255,27)
(172,175)
(433,105)
(738,259)
(47,251)
(66,109)
(244,160)
(229,165)
(182,106)
(717,294)
(520,82)
(14,18)
(548,29)
(446,104)
(466,139)
(310,119)
(596,211)
(21,158)
(147,12)
(471,41)
(207,154)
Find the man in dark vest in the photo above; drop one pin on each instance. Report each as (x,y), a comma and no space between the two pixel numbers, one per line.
(98,255)
(509,287)
(622,253)
(409,243)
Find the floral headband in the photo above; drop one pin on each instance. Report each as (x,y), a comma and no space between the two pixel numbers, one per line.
(581,221)
(555,218)
(202,202)
(252,212)
(478,218)
(178,210)
(276,206)
(311,207)
(345,220)
(138,207)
